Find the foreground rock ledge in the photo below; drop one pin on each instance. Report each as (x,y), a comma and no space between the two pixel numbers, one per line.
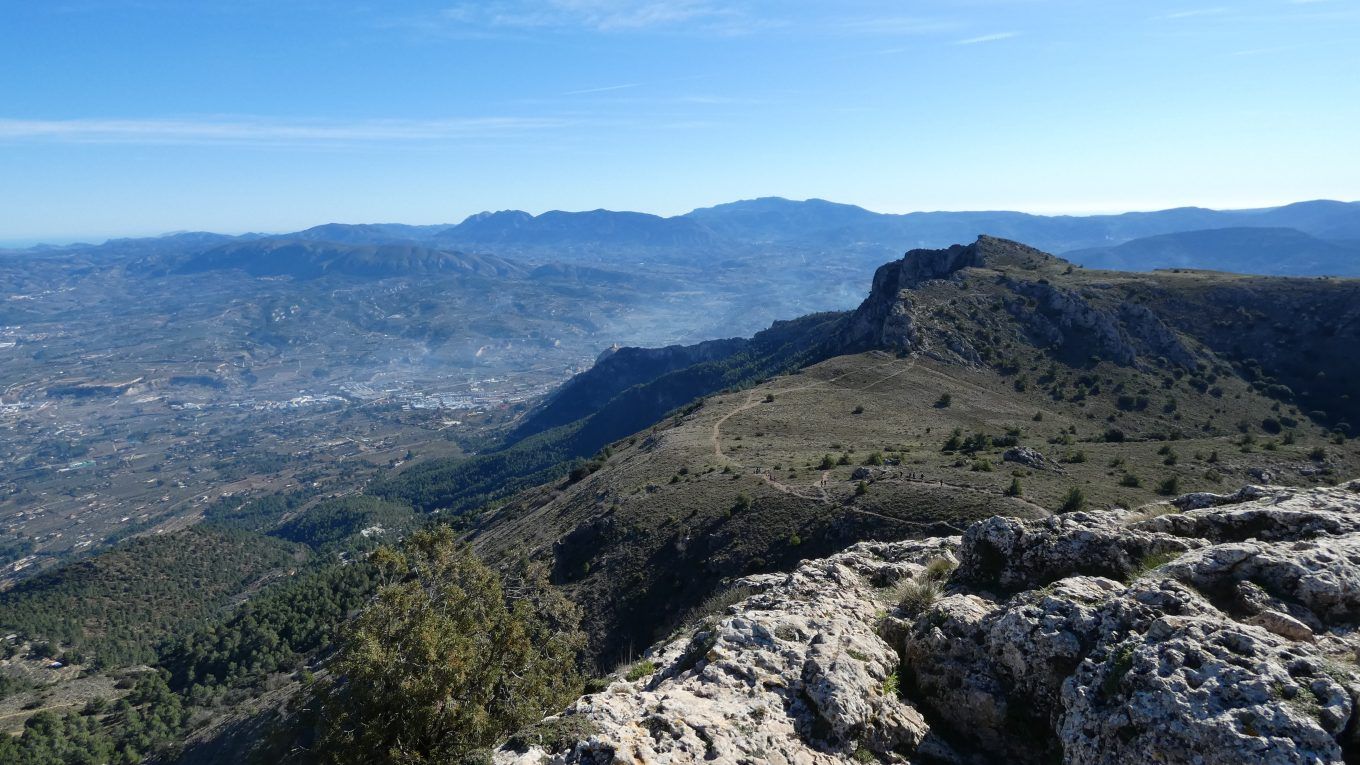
(1221,634)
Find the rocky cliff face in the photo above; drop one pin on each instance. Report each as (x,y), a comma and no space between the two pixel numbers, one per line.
(1217,629)
(917,303)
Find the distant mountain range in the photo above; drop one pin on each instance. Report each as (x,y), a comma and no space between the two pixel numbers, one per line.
(595,228)
(824,222)
(1279,251)
(1307,238)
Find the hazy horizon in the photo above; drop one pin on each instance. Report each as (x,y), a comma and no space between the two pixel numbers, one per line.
(60,241)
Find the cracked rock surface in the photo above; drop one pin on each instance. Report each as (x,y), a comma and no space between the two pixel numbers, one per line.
(1221,633)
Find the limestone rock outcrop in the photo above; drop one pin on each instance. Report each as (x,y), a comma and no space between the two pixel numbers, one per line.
(1221,634)
(903,310)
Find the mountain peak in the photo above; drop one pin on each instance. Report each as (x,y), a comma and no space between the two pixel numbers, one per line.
(923,265)
(929,303)
(502,216)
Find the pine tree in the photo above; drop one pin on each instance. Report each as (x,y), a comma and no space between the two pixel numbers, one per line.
(447,659)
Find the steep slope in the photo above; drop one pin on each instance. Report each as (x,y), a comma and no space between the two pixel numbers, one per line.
(1278,334)
(1006,381)
(616,371)
(634,387)
(1212,630)
(1269,251)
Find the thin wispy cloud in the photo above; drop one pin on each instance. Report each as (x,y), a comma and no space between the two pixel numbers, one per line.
(605,89)
(247,131)
(595,15)
(995,37)
(1192,13)
(898,25)
(1267,51)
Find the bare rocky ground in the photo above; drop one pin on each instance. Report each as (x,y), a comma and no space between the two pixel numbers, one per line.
(1209,629)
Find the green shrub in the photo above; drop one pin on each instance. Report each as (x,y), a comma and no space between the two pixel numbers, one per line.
(1074,500)
(1170,487)
(644,668)
(914,596)
(1153,562)
(892,684)
(553,734)
(938,569)
(955,441)
(1119,664)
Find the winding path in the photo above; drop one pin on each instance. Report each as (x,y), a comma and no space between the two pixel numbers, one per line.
(821,494)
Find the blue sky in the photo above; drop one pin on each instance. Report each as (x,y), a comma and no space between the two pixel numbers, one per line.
(130,117)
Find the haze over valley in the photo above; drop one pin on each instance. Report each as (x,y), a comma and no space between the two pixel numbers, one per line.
(146,379)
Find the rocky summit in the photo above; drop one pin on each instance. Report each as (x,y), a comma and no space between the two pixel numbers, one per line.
(1208,629)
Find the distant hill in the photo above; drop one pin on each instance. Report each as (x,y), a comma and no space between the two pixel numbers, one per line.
(1270,251)
(368,233)
(1322,218)
(601,228)
(825,223)
(309,260)
(775,219)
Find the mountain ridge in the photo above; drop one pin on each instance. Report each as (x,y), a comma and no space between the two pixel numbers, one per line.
(1095,374)
(1272,251)
(747,227)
